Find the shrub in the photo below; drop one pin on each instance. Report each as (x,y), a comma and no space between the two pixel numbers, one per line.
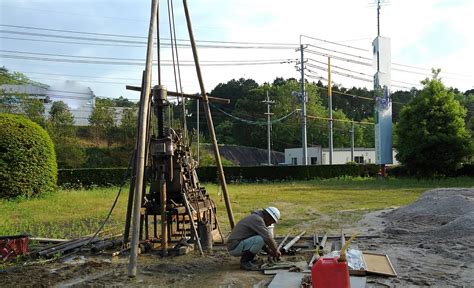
(27,159)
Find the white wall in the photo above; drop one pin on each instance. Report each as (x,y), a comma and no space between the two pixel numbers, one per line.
(314,154)
(340,155)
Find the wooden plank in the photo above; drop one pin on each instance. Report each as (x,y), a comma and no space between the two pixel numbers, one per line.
(378,264)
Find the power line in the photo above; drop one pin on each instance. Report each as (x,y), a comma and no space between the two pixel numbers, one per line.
(75,14)
(339,52)
(340,73)
(334,43)
(137,59)
(340,68)
(203,41)
(352,71)
(244,45)
(352,76)
(338,57)
(144,37)
(134,63)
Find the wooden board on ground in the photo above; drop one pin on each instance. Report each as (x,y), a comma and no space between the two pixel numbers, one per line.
(378,264)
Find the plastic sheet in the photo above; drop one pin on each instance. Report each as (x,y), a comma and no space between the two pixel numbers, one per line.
(353,257)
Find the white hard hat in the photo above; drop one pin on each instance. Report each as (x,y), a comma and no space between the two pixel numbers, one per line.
(274,212)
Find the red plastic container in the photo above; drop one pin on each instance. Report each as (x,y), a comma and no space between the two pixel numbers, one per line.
(329,273)
(12,246)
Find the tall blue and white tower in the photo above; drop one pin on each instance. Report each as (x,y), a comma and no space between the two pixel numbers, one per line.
(383,102)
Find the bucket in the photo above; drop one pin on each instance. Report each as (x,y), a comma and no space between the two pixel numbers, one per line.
(328,272)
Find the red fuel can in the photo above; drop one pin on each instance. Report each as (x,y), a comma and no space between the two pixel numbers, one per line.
(330,273)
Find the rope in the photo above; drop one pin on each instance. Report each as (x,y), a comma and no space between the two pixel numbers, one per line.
(179,75)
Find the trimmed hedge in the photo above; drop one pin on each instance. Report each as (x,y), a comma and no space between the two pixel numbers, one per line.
(74,178)
(286,173)
(90,177)
(27,159)
(401,171)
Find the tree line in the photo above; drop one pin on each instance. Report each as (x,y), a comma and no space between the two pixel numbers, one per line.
(243,121)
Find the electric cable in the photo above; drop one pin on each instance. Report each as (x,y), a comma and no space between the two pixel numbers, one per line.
(216,41)
(253,122)
(334,43)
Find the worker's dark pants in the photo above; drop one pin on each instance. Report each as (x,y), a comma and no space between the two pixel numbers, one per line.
(253,244)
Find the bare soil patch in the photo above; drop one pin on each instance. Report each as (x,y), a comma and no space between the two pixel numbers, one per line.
(430,243)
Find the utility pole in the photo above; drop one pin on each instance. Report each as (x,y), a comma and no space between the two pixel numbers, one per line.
(269,128)
(352,141)
(330,112)
(304,99)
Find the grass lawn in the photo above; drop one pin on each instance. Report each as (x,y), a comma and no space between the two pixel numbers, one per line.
(324,204)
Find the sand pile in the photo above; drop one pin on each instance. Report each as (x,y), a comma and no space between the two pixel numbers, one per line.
(443,212)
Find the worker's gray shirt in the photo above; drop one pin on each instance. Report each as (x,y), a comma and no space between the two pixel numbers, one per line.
(249,226)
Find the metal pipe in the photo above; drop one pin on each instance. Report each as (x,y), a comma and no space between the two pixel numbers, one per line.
(323,242)
(293,241)
(140,161)
(210,124)
(193,224)
(283,241)
(164,220)
(315,240)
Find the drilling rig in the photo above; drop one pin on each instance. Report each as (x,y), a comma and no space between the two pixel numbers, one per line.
(164,187)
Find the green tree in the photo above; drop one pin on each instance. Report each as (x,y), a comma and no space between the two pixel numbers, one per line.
(432,139)
(60,126)
(128,126)
(102,120)
(61,121)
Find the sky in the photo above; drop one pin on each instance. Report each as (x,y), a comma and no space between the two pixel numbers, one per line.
(264,35)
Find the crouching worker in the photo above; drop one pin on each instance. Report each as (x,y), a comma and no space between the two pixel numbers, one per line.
(251,235)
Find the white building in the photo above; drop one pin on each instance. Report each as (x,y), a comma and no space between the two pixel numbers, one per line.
(294,156)
(320,156)
(80,99)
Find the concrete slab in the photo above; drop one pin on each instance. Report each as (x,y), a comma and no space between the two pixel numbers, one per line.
(286,280)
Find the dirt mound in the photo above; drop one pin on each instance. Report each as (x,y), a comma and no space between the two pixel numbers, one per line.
(461,226)
(443,212)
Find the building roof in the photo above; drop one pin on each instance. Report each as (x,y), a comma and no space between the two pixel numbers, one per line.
(24,89)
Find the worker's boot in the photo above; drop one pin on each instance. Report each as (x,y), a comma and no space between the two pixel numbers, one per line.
(246,261)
